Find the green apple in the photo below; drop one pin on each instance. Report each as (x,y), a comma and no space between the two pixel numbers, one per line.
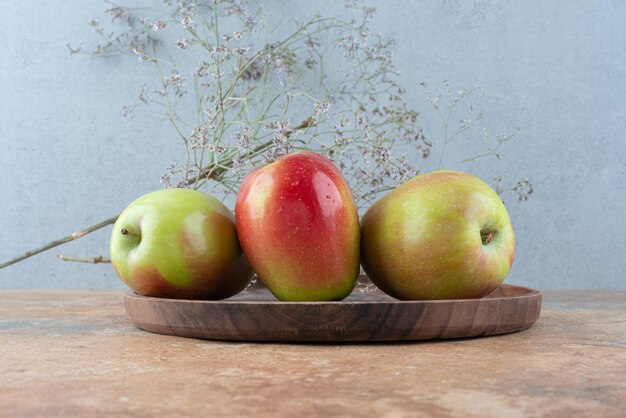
(441,235)
(179,243)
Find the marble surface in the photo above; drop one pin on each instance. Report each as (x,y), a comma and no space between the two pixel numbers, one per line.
(74,353)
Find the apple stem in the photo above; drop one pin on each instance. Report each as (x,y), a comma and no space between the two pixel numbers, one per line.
(487,238)
(125,231)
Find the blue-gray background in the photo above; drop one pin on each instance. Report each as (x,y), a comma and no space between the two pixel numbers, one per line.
(557,69)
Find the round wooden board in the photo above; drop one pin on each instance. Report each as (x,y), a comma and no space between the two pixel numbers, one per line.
(255,315)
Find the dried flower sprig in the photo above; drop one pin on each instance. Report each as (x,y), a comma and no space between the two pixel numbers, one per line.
(238,95)
(246,89)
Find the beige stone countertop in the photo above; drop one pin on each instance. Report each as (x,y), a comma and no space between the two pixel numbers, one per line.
(75,353)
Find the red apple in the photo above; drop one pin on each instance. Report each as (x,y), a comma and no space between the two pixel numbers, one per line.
(299,228)
(441,235)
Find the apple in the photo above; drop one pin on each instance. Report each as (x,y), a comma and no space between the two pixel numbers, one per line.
(179,243)
(441,235)
(299,228)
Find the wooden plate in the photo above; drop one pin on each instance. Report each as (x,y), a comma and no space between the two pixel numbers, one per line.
(255,315)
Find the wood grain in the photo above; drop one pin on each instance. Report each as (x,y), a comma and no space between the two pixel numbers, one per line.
(255,315)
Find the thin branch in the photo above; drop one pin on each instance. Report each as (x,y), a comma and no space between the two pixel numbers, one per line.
(91,260)
(73,236)
(210,171)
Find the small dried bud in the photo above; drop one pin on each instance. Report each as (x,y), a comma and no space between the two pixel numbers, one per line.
(128,113)
(158,25)
(202,71)
(176,79)
(142,56)
(143,93)
(186,22)
(321,107)
(183,43)
(240,51)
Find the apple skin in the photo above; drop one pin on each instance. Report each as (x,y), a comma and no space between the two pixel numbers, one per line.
(179,243)
(423,240)
(299,228)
